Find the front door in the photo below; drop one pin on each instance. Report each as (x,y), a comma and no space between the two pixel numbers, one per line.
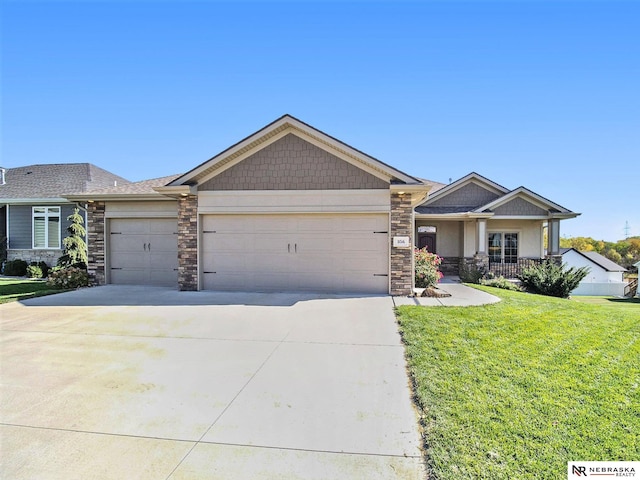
(427,240)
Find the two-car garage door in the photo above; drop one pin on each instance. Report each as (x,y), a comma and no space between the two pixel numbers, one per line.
(313,252)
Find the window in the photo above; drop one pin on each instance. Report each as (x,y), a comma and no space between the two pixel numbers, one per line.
(503,247)
(46,227)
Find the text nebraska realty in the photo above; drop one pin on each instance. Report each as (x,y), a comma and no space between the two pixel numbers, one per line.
(604,471)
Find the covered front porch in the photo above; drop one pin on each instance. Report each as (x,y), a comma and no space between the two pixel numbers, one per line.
(500,246)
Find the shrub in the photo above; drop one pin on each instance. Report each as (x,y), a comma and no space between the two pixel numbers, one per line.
(37,270)
(501,282)
(552,279)
(15,268)
(471,273)
(75,248)
(68,277)
(426,272)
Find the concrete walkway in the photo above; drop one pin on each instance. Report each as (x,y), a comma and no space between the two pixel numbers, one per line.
(461,296)
(150,383)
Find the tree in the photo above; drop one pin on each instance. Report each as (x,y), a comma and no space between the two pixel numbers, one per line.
(75,248)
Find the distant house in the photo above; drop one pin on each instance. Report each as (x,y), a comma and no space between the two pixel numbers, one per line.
(605,277)
(33,213)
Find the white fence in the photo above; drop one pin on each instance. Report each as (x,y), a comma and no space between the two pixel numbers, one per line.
(610,289)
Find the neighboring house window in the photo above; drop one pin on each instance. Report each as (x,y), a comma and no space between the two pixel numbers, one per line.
(503,247)
(46,227)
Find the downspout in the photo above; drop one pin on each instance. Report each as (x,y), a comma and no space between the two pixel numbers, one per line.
(7,227)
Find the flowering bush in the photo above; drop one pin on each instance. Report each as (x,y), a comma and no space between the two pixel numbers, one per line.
(427,273)
(68,277)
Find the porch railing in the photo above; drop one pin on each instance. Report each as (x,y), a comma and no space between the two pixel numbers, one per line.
(512,270)
(632,288)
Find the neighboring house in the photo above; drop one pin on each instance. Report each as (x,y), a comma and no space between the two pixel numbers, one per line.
(477,223)
(292,208)
(604,278)
(637,265)
(33,213)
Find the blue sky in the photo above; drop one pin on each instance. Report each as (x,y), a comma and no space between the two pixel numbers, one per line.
(544,94)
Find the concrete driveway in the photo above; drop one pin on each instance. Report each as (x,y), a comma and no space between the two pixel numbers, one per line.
(150,383)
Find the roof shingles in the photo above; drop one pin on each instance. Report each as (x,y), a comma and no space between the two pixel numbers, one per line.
(54,180)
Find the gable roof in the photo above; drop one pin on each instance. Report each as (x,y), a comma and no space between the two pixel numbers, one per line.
(284,125)
(51,181)
(483,208)
(472,177)
(554,209)
(598,259)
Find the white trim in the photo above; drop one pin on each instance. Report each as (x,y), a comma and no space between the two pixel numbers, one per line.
(7,225)
(46,227)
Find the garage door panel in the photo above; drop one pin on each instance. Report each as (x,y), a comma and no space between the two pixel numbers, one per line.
(163,226)
(163,277)
(332,252)
(143,251)
(366,224)
(162,243)
(370,264)
(128,260)
(127,242)
(225,242)
(130,276)
(365,283)
(128,226)
(162,261)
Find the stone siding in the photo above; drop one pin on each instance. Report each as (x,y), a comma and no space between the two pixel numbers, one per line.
(401,258)
(50,257)
(291,163)
(188,243)
(450,265)
(95,242)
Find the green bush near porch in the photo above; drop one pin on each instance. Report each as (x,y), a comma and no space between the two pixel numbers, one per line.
(519,388)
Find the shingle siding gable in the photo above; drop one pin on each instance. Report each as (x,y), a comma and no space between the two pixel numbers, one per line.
(519,206)
(471,195)
(292,163)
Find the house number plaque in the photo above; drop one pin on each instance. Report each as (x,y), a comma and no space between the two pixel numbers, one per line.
(401,242)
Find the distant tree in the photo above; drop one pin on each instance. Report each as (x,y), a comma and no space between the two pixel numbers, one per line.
(613,255)
(75,248)
(623,252)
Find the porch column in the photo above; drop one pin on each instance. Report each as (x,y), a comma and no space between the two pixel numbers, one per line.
(481,236)
(95,242)
(553,233)
(188,243)
(401,256)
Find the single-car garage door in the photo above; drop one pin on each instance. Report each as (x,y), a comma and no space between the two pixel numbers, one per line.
(143,251)
(313,252)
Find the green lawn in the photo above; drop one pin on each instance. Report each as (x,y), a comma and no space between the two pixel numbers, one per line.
(12,289)
(517,389)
